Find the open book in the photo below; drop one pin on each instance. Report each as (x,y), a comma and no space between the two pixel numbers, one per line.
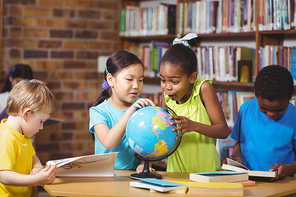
(238,167)
(101,165)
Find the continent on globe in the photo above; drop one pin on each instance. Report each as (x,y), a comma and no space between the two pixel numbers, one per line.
(149,132)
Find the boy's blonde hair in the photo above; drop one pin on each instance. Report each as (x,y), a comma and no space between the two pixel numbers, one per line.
(31,94)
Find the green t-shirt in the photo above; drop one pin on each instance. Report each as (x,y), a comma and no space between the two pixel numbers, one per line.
(196,152)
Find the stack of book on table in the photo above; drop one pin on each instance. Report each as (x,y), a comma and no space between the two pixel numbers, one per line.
(228,183)
(217,183)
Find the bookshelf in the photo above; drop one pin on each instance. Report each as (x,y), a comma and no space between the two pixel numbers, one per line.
(256,37)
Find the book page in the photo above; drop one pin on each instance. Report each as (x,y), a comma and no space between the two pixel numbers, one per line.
(101,165)
(61,162)
(236,164)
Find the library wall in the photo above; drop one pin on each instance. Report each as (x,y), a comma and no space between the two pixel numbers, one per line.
(61,40)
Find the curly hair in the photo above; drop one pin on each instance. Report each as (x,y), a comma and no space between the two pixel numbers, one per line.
(274,83)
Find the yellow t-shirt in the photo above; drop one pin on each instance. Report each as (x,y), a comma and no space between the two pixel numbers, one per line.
(16,153)
(196,152)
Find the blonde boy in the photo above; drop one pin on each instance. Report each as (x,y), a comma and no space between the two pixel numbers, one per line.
(29,105)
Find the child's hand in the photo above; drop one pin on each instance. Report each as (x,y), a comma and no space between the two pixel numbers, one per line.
(140,168)
(35,170)
(186,125)
(142,103)
(233,157)
(281,169)
(47,175)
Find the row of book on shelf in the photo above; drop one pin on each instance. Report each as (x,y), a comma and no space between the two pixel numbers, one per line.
(279,55)
(276,14)
(148,21)
(220,16)
(221,63)
(205,17)
(150,54)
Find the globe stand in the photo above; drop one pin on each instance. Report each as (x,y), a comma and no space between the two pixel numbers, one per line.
(146,172)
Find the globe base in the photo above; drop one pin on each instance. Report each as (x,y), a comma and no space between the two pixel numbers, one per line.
(146,173)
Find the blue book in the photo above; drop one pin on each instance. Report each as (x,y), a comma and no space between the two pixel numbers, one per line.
(157,184)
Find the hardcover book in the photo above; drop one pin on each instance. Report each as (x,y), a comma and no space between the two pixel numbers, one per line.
(219,176)
(244,71)
(238,167)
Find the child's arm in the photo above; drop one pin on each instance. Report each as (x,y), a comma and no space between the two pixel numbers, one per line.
(283,170)
(37,166)
(218,129)
(45,176)
(110,138)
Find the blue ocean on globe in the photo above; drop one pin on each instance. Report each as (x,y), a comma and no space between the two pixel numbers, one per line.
(149,132)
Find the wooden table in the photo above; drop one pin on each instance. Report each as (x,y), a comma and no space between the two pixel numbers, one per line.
(119,186)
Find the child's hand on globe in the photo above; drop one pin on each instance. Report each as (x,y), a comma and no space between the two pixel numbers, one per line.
(142,103)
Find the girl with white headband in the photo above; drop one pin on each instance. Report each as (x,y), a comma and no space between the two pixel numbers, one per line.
(197,106)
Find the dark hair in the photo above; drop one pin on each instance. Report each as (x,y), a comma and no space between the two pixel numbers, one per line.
(19,70)
(115,63)
(182,56)
(274,83)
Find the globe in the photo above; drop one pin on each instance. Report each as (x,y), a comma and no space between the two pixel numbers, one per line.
(149,133)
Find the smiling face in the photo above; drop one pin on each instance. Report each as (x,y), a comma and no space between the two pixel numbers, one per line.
(272,109)
(176,84)
(33,123)
(126,85)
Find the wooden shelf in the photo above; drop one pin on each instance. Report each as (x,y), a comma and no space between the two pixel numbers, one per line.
(148,38)
(252,33)
(291,31)
(238,86)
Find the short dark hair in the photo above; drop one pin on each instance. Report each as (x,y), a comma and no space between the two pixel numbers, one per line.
(273,83)
(182,56)
(23,71)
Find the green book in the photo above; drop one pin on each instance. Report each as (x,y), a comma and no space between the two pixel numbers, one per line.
(122,22)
